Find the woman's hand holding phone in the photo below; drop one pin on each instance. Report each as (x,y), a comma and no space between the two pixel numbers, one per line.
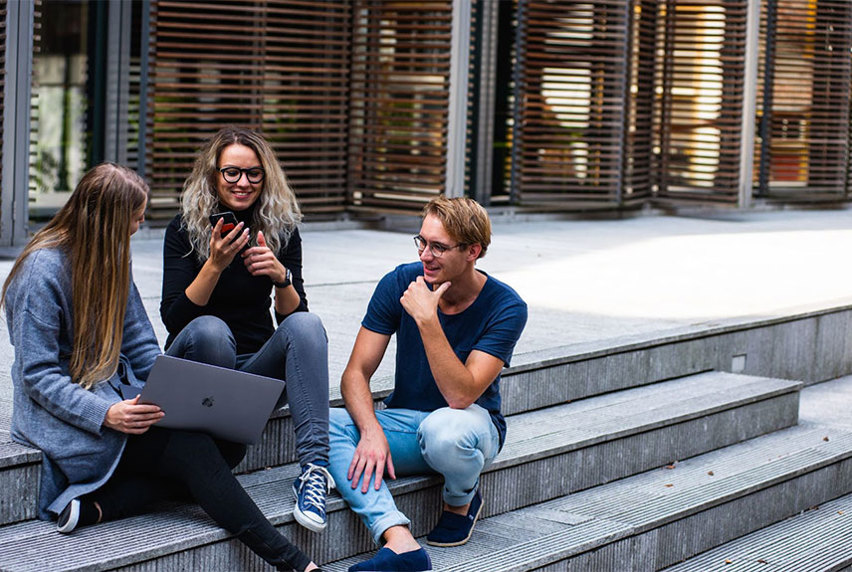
(223,247)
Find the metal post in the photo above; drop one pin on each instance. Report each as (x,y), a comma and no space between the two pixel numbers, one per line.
(14,197)
(752,55)
(118,81)
(457,115)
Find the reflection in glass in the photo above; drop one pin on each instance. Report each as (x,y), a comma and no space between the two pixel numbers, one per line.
(58,138)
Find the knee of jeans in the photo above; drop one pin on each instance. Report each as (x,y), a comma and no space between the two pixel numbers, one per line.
(443,435)
(212,338)
(305,327)
(207,326)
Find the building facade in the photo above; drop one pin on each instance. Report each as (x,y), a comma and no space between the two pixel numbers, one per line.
(376,106)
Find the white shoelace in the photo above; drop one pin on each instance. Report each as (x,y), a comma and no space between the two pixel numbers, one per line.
(316,482)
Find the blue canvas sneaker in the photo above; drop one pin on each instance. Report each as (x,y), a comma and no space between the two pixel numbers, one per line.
(310,490)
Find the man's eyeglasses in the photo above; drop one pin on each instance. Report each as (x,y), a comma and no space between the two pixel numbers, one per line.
(233,174)
(436,248)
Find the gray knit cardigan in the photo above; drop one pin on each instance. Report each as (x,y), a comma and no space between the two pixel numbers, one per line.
(50,412)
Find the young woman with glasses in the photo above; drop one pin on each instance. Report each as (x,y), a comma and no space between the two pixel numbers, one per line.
(217,281)
(80,330)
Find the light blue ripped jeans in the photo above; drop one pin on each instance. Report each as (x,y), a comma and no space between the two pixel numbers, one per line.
(455,443)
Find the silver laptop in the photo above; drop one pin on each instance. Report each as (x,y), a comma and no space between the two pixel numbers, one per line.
(226,403)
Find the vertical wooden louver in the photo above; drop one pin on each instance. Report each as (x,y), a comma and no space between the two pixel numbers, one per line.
(700,74)
(135,115)
(573,98)
(640,159)
(399,103)
(802,148)
(279,66)
(34,160)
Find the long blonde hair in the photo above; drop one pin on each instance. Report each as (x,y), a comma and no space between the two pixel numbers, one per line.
(276,213)
(94,229)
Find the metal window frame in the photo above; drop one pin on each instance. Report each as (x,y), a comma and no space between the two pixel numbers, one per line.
(457,112)
(747,128)
(119,36)
(14,197)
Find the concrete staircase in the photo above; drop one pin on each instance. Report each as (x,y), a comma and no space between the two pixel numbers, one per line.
(819,538)
(630,472)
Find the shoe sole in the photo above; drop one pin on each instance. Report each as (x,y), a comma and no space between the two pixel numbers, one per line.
(469,534)
(73,518)
(305,520)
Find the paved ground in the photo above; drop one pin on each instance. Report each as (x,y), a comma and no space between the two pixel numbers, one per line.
(584,281)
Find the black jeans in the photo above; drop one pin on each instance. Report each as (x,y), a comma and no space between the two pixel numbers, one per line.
(166,464)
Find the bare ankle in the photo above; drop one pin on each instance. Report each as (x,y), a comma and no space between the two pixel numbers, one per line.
(462,510)
(399,539)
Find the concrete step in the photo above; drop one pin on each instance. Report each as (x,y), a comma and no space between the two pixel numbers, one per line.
(548,454)
(818,539)
(19,475)
(19,466)
(652,520)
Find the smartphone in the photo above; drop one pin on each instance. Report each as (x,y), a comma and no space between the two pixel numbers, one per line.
(229,221)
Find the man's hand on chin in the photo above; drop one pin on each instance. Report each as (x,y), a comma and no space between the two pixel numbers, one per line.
(420,301)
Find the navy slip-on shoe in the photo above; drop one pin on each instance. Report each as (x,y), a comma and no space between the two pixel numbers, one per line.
(454,529)
(386,560)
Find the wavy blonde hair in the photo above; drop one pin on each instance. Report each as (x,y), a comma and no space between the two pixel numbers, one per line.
(94,229)
(277,212)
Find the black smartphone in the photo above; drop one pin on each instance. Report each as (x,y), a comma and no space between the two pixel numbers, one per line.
(229,221)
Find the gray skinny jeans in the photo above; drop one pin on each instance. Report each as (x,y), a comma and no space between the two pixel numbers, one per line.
(297,353)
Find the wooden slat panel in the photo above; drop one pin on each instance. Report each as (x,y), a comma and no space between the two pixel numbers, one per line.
(572,78)
(399,97)
(277,66)
(805,80)
(699,72)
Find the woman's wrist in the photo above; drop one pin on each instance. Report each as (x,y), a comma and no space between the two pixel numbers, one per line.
(284,283)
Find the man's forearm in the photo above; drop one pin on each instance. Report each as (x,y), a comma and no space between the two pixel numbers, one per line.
(454,380)
(359,402)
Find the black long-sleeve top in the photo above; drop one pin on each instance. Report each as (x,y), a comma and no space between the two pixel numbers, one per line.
(241,300)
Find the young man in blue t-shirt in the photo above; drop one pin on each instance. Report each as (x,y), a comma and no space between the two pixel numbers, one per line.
(456,328)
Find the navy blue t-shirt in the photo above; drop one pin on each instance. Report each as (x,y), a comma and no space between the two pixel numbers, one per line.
(492,324)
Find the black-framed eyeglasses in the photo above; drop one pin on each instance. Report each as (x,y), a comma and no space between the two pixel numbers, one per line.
(233,174)
(435,248)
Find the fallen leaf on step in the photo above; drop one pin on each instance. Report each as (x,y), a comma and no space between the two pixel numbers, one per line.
(711,473)
(728,561)
(840,512)
(825,438)
(762,561)
(672,466)
(669,485)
